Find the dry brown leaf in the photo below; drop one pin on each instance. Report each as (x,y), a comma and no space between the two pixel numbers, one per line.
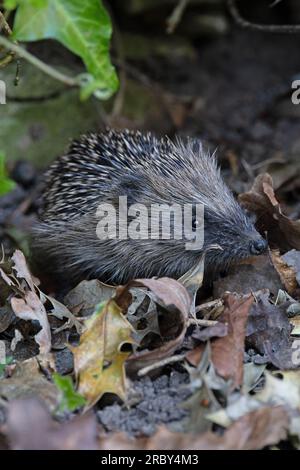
(45,433)
(22,271)
(167,290)
(268,331)
(30,307)
(283,233)
(175,298)
(27,381)
(287,274)
(98,361)
(228,352)
(87,295)
(250,276)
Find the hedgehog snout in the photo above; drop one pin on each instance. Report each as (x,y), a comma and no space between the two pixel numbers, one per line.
(258,246)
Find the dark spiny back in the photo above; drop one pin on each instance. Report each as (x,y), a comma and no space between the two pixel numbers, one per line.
(101,167)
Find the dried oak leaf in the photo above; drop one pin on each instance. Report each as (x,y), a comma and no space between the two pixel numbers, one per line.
(27,381)
(286,272)
(98,359)
(268,331)
(6,317)
(175,299)
(45,433)
(227,353)
(25,303)
(292,258)
(30,307)
(251,276)
(22,270)
(281,391)
(283,233)
(86,295)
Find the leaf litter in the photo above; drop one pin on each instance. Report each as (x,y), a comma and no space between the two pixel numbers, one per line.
(227,373)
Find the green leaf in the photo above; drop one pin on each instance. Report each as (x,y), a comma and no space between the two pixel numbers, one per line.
(84,27)
(70,400)
(12,4)
(6,184)
(8,361)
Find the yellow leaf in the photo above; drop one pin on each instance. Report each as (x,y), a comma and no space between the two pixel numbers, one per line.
(98,361)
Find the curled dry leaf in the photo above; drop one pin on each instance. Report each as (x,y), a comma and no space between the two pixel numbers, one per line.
(192,280)
(251,276)
(30,307)
(292,258)
(173,296)
(27,305)
(21,269)
(87,295)
(27,381)
(6,317)
(283,390)
(45,433)
(61,311)
(287,273)
(282,232)
(268,331)
(218,330)
(228,352)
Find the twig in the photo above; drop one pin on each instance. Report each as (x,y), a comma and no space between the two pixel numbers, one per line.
(201,322)
(70,81)
(212,303)
(6,29)
(176,15)
(163,362)
(4,25)
(285,28)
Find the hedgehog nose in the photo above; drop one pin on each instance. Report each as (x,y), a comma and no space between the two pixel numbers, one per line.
(258,247)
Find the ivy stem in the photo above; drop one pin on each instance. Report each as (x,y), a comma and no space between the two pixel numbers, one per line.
(52,72)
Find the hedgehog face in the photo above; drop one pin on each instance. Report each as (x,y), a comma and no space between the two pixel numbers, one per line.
(236,235)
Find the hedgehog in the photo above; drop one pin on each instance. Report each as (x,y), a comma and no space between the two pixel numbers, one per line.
(97,169)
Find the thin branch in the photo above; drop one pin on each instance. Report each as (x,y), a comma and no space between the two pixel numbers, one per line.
(163,362)
(70,81)
(212,303)
(176,15)
(285,28)
(4,25)
(6,29)
(202,322)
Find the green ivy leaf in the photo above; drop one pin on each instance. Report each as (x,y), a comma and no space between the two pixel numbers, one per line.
(8,361)
(84,27)
(70,399)
(12,4)
(6,184)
